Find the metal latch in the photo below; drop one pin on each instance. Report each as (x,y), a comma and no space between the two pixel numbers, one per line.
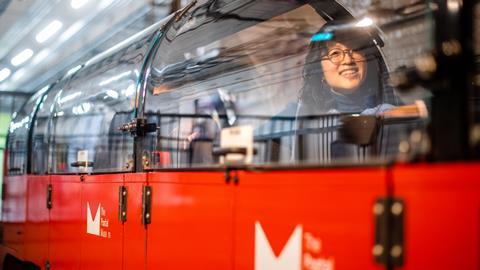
(389,245)
(231,174)
(146,205)
(49,196)
(138,127)
(122,203)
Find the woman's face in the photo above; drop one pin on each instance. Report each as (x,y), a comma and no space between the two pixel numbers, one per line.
(344,70)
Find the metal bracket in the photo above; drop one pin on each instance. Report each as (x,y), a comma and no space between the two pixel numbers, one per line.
(122,203)
(138,127)
(49,196)
(146,205)
(85,164)
(231,175)
(146,160)
(389,245)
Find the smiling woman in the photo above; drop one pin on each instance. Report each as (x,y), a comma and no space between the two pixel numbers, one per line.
(344,72)
(344,68)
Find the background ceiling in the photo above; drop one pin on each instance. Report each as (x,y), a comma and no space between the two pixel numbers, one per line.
(41,39)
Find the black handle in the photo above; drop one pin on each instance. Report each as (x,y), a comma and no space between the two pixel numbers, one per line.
(223,151)
(82,164)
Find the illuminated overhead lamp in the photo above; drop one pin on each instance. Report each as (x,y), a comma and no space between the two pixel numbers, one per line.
(365,22)
(50,30)
(72,30)
(19,74)
(131,89)
(69,97)
(22,57)
(104,4)
(41,56)
(76,4)
(44,89)
(73,70)
(113,94)
(4,73)
(114,78)
(453,5)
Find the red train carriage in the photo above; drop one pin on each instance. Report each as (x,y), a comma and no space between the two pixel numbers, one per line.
(216,139)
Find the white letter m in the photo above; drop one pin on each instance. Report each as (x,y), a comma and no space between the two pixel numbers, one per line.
(290,257)
(93,225)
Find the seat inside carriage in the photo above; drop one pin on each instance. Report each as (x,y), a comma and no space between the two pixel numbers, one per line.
(254,76)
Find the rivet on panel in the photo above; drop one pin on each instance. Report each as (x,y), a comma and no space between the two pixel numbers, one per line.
(396,251)
(397,208)
(378,209)
(377,250)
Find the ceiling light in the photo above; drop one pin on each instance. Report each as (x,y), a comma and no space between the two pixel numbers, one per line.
(73,70)
(41,56)
(51,29)
(44,89)
(19,74)
(4,73)
(105,3)
(72,30)
(112,93)
(130,90)
(114,78)
(76,4)
(22,57)
(364,22)
(69,97)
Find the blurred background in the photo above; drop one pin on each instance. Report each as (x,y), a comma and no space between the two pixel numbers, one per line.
(41,40)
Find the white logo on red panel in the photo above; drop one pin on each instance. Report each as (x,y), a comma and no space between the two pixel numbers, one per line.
(289,258)
(93,224)
(301,252)
(99,225)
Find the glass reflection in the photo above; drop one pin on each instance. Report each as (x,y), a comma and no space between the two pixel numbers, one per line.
(17,143)
(95,101)
(300,79)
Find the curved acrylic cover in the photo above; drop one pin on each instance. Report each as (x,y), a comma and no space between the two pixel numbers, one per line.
(266,64)
(91,105)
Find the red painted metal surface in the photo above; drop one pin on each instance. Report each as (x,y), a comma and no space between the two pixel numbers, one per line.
(200,221)
(36,227)
(135,234)
(442,215)
(102,239)
(192,218)
(331,210)
(67,225)
(14,213)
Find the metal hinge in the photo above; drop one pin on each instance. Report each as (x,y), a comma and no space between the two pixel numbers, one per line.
(231,175)
(138,127)
(49,196)
(122,203)
(146,205)
(389,246)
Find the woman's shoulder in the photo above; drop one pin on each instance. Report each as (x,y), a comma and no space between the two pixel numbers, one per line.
(381,108)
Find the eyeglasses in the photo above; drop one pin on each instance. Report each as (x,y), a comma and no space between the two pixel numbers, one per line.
(336,56)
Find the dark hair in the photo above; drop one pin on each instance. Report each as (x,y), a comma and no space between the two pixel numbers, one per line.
(316,95)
